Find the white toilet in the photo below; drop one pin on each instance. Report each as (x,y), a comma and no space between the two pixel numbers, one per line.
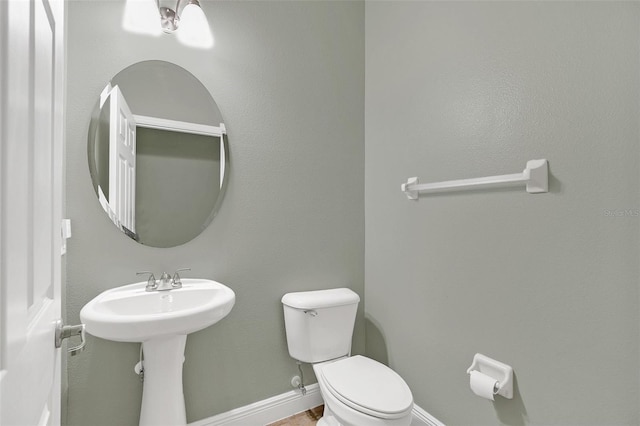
(357,391)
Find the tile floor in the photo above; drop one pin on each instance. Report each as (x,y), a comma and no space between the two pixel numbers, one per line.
(306,418)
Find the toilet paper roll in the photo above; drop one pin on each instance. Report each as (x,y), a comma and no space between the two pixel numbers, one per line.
(483,385)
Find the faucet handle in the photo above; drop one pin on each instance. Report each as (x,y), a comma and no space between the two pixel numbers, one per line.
(151,282)
(176,283)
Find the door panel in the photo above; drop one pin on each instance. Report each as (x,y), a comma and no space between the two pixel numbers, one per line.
(31,132)
(42,196)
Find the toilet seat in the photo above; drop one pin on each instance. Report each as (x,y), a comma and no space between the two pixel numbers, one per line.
(368,386)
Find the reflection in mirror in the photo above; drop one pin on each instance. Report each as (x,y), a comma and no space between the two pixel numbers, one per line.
(158,154)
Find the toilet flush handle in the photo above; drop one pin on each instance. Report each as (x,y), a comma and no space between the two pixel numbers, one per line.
(311,312)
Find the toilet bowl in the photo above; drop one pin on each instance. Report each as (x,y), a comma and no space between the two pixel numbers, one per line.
(357,391)
(360,391)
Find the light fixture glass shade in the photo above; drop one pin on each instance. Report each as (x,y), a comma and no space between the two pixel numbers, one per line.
(142,17)
(194,29)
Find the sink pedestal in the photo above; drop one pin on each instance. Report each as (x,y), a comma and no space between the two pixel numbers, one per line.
(162,394)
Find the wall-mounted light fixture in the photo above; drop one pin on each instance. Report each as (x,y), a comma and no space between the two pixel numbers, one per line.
(185,18)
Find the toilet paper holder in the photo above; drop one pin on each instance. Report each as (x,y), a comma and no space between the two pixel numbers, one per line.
(501,372)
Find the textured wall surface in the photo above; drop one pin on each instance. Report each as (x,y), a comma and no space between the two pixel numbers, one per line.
(547,283)
(288,78)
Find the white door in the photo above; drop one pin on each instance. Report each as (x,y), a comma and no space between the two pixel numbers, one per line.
(122,160)
(31,136)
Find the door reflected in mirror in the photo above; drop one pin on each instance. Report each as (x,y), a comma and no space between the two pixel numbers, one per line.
(158,154)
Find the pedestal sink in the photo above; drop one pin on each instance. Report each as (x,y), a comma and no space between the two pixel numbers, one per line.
(160,320)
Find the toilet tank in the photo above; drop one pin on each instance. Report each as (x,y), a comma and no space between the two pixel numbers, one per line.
(319,324)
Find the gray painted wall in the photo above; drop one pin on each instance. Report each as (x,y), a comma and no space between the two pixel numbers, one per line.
(288,78)
(547,283)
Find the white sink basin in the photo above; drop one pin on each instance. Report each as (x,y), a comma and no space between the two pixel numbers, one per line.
(131,314)
(160,320)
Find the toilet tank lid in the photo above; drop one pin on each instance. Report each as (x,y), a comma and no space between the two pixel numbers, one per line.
(321,298)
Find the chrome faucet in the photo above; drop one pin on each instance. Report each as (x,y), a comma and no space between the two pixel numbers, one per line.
(165,283)
(152,284)
(176,282)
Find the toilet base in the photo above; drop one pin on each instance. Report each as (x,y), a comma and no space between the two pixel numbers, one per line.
(327,418)
(328,421)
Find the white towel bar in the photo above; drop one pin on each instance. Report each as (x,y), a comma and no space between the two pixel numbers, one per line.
(535,176)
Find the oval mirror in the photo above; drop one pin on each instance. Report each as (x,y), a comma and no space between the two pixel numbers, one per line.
(158,154)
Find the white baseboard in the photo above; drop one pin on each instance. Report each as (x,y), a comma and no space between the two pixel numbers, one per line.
(422,418)
(287,404)
(268,410)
